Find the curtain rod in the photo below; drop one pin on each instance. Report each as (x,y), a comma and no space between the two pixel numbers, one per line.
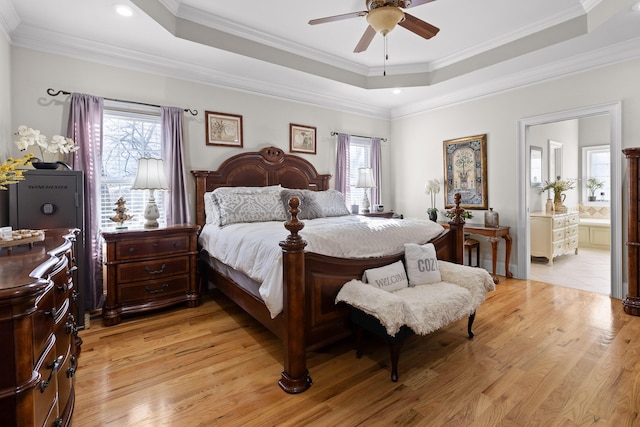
(64,92)
(334,133)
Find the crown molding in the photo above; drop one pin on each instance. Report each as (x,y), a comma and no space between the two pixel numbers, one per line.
(625,51)
(9,19)
(86,50)
(210,20)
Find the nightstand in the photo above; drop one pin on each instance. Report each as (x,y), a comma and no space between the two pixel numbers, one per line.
(386,214)
(146,269)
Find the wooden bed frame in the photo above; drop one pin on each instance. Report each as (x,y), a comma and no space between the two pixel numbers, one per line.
(311,281)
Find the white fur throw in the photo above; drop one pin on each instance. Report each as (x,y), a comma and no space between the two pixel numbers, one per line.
(423,308)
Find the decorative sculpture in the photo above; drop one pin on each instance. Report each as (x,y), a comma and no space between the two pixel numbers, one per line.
(121,214)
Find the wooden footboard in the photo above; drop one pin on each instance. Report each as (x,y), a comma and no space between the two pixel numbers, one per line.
(312,281)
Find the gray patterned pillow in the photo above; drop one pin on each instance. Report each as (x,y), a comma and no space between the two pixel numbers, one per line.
(331,203)
(211,213)
(248,204)
(309,207)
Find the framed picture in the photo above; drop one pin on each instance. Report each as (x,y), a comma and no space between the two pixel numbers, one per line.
(465,168)
(224,129)
(302,139)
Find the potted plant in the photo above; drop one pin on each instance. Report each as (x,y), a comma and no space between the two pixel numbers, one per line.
(559,187)
(594,184)
(432,187)
(58,144)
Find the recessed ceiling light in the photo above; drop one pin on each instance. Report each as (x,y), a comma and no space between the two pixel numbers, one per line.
(123,10)
(397,91)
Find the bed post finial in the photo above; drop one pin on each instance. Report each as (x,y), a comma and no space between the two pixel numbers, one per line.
(456,225)
(457,211)
(295,378)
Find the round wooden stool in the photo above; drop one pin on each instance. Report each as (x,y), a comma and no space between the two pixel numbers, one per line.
(472,244)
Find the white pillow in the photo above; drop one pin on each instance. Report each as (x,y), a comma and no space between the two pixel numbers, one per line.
(389,278)
(422,264)
(331,203)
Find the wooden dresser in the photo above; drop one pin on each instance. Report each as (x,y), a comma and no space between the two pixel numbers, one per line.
(39,346)
(553,235)
(149,268)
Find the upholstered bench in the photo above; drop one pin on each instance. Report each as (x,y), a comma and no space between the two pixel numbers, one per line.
(418,309)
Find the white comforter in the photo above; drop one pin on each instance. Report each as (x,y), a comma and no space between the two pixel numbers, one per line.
(253,248)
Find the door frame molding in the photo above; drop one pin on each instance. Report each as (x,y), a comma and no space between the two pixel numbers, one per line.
(614,111)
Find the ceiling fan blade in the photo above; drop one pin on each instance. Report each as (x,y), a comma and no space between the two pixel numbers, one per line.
(365,40)
(338,17)
(418,26)
(415,3)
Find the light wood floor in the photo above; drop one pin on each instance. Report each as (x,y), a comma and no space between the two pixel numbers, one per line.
(543,355)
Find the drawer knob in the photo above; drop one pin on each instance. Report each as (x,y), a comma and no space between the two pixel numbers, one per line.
(162,267)
(132,249)
(157,291)
(63,288)
(52,313)
(72,270)
(54,367)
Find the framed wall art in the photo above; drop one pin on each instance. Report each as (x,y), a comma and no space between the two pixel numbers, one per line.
(224,129)
(465,168)
(302,139)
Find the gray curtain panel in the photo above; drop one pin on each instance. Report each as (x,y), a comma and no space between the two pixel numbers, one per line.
(173,154)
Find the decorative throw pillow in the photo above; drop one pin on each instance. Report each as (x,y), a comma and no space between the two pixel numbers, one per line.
(236,207)
(211,213)
(309,207)
(331,202)
(389,278)
(422,264)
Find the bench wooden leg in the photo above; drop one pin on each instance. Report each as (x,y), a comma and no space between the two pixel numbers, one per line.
(470,324)
(395,356)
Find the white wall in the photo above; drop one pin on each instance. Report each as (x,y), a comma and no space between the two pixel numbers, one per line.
(265,119)
(5,116)
(417,154)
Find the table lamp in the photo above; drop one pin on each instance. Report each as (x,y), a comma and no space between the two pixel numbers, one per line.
(150,176)
(365,180)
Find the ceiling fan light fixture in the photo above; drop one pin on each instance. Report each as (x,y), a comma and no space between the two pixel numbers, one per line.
(384,19)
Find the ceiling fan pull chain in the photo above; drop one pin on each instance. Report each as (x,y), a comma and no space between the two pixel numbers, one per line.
(386,55)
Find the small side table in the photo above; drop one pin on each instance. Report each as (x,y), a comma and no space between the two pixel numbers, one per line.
(146,269)
(386,214)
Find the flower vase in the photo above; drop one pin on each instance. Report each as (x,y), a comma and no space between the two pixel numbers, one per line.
(433,216)
(45,165)
(558,200)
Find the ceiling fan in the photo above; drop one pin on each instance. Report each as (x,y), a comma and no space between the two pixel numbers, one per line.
(383,16)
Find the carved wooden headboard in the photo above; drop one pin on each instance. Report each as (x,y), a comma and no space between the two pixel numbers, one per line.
(269,166)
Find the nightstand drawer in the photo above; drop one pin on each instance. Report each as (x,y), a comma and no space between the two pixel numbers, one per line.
(153,289)
(143,248)
(150,270)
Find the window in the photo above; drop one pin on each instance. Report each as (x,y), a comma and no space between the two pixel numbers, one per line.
(596,164)
(128,136)
(359,157)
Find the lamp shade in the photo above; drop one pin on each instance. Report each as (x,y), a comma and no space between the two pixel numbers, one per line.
(365,178)
(150,175)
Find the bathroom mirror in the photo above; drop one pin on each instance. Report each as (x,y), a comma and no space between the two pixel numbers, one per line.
(555,160)
(536,166)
